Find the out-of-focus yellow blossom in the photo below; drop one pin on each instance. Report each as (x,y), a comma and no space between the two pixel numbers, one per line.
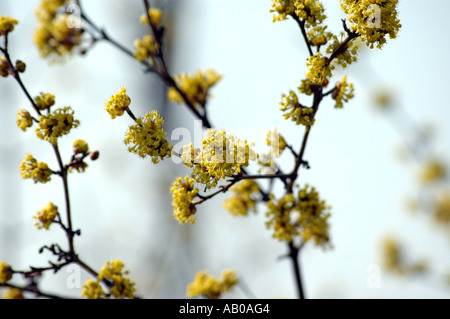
(373,19)
(38,171)
(145,48)
(195,87)
(47,9)
(313,217)
(267,164)
(93,290)
(6,272)
(305,216)
(222,155)
(7,25)
(276,142)
(442,209)
(147,138)
(46,216)
(211,287)
(279,214)
(319,71)
(13,293)
(56,38)
(155,16)
(24,119)
(44,101)
(319,36)
(433,171)
(80,147)
(343,92)
(299,114)
(243,199)
(118,103)
(56,124)
(183,193)
(5,67)
(383,99)
(347,55)
(310,11)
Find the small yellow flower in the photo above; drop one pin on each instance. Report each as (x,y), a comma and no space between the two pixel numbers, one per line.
(442,209)
(433,171)
(373,20)
(348,55)
(343,92)
(298,113)
(93,290)
(211,287)
(44,101)
(6,272)
(155,16)
(145,48)
(56,124)
(118,103)
(147,138)
(222,155)
(122,287)
(310,11)
(46,216)
(276,142)
(80,147)
(319,71)
(183,193)
(38,171)
(24,119)
(7,25)
(195,87)
(243,199)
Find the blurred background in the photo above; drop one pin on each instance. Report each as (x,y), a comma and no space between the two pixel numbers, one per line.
(366,159)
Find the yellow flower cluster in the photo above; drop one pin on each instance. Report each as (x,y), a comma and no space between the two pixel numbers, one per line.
(195,87)
(305,216)
(80,147)
(243,199)
(118,103)
(145,48)
(277,143)
(24,119)
(222,155)
(319,71)
(147,138)
(6,272)
(442,209)
(211,287)
(298,113)
(78,163)
(319,36)
(183,193)
(433,171)
(44,101)
(13,293)
(56,124)
(347,55)
(112,271)
(306,87)
(46,217)
(38,171)
(7,25)
(310,11)
(55,36)
(394,260)
(155,16)
(373,19)
(342,93)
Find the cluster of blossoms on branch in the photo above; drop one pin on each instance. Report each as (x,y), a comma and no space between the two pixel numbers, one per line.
(222,160)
